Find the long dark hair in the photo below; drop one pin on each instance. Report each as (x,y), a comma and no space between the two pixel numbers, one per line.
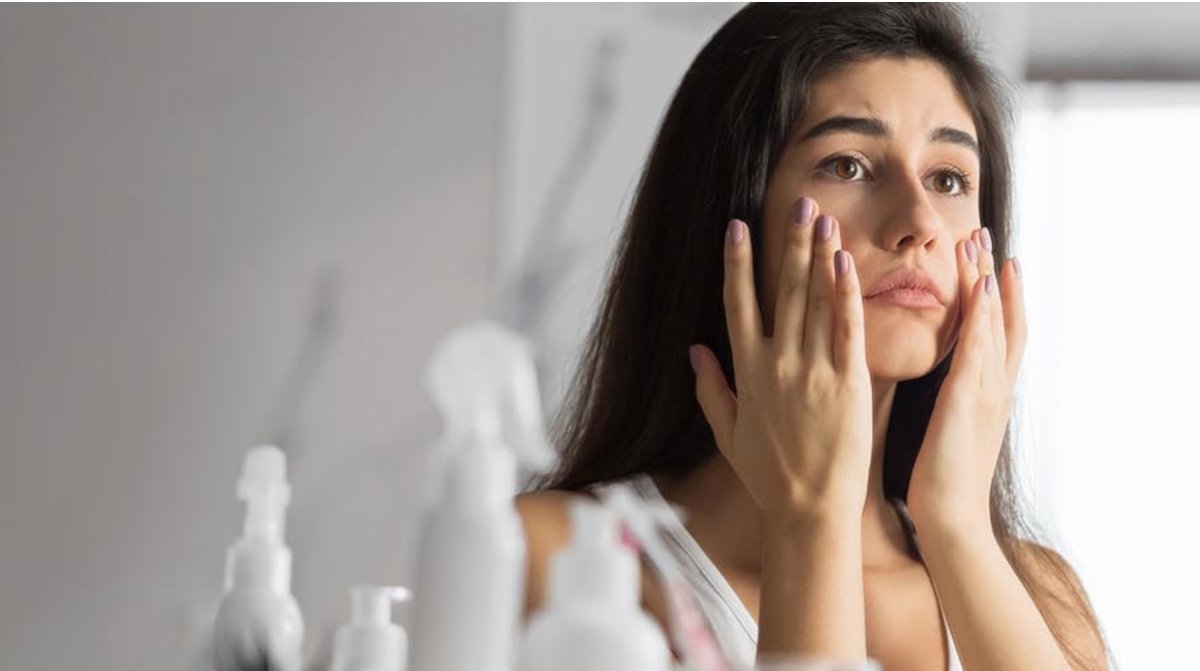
(632,406)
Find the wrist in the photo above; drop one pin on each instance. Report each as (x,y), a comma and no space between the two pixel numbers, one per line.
(953,531)
(805,523)
(946,517)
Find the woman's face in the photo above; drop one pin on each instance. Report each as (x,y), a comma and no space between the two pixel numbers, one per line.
(891,179)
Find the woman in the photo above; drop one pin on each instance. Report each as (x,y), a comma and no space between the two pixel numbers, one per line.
(822,226)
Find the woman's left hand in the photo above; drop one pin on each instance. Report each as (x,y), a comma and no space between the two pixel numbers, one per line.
(952,478)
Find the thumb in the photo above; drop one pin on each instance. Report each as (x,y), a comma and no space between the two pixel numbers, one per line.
(717,401)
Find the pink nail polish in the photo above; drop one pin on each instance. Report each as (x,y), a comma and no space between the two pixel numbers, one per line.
(841,262)
(802,212)
(972,254)
(735,233)
(986,236)
(824,227)
(989,284)
(1017,266)
(694,359)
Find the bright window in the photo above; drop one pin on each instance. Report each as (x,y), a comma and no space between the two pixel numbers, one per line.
(1108,234)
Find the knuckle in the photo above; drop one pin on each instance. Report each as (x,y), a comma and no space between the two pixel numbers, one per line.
(733,305)
(783,372)
(816,382)
(818,300)
(790,283)
(848,327)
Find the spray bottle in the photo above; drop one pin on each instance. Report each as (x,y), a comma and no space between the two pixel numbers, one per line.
(593,620)
(370,641)
(470,586)
(258,621)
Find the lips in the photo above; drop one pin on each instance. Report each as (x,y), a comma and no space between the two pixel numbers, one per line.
(905,282)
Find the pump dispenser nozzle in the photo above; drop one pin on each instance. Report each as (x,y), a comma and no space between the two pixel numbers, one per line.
(264,488)
(370,641)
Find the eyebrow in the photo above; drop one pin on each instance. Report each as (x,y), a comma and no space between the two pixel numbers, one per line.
(876,127)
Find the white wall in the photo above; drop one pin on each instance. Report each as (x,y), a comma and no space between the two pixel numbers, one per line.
(173,181)
(587,87)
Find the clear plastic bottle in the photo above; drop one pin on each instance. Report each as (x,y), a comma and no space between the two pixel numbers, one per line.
(593,620)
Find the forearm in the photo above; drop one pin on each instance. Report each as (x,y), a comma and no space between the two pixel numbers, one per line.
(812,590)
(994,621)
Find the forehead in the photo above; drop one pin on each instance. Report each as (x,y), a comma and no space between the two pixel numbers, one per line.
(913,95)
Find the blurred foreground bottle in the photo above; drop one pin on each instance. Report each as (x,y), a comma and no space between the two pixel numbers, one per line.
(258,622)
(593,620)
(470,586)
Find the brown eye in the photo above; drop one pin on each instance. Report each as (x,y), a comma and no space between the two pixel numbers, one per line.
(949,179)
(846,167)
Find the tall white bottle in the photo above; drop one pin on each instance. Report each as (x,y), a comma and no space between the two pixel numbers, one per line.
(470,585)
(593,620)
(258,621)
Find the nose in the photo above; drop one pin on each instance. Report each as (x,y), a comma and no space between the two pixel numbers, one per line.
(912,219)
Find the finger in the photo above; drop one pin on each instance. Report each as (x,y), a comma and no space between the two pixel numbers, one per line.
(973,337)
(741,305)
(968,273)
(987,258)
(1012,289)
(818,318)
(717,401)
(792,301)
(987,266)
(995,363)
(849,351)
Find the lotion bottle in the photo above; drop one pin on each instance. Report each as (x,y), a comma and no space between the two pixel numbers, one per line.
(593,620)
(371,641)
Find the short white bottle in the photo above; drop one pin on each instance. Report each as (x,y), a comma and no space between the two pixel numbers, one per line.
(592,620)
(371,641)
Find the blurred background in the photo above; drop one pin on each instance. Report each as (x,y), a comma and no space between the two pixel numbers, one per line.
(221,225)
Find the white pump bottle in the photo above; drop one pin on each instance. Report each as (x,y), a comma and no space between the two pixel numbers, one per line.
(258,622)
(370,641)
(470,584)
(593,620)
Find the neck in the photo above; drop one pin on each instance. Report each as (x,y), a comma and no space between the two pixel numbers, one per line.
(727,523)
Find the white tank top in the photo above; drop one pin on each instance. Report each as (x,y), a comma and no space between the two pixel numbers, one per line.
(732,625)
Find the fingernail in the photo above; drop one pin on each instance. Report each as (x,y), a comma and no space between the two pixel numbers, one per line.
(802,211)
(841,262)
(736,233)
(989,283)
(824,227)
(986,236)
(1017,266)
(694,359)
(972,254)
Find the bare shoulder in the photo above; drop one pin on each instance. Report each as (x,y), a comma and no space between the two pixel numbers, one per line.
(1066,606)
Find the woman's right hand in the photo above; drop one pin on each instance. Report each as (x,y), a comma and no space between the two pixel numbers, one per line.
(798,432)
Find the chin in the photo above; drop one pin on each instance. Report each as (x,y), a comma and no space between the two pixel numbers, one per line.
(898,352)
